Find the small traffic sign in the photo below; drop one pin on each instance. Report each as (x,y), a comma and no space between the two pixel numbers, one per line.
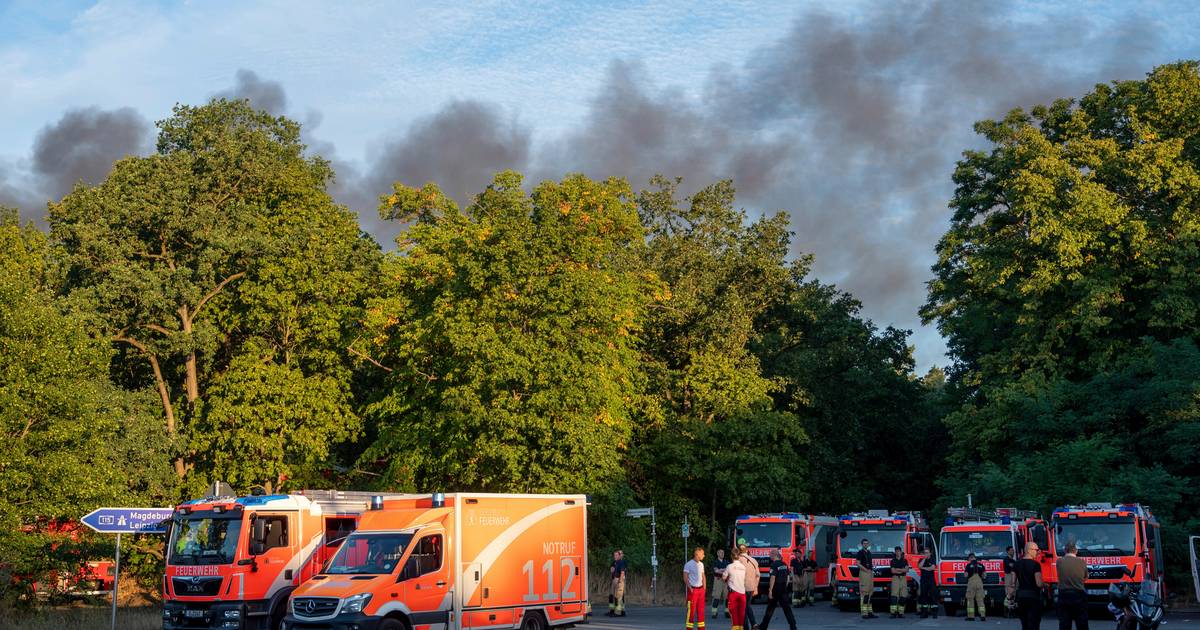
(129,520)
(686,529)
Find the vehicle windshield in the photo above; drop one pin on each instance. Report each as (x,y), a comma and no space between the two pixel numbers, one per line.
(766,534)
(374,553)
(1147,594)
(204,540)
(884,540)
(1100,537)
(985,545)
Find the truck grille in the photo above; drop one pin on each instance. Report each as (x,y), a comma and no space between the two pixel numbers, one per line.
(314,607)
(196,586)
(1105,573)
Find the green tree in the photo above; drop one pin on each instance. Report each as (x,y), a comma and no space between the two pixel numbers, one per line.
(876,432)
(508,331)
(709,441)
(66,428)
(1065,287)
(216,263)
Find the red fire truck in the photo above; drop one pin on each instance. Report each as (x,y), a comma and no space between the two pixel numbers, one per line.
(987,534)
(812,536)
(233,561)
(1119,543)
(886,531)
(87,577)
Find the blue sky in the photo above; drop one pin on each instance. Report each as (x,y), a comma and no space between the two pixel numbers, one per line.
(857,109)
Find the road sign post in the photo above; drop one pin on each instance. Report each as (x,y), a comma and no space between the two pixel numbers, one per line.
(686,531)
(126,521)
(639,513)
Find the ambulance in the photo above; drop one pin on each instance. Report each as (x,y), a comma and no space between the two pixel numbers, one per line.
(987,534)
(886,531)
(233,561)
(812,536)
(445,562)
(1119,543)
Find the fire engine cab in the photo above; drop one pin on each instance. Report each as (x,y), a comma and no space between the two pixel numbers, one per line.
(810,535)
(987,534)
(1119,543)
(886,531)
(232,561)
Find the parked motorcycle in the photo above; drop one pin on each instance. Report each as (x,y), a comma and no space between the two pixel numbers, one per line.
(1136,606)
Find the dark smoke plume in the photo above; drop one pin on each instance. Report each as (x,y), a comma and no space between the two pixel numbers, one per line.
(83,144)
(79,148)
(460,148)
(854,126)
(262,93)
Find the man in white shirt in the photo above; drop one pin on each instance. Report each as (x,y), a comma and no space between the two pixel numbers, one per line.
(693,584)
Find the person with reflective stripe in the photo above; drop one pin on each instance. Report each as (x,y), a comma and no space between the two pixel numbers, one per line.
(866,579)
(899,594)
(976,595)
(735,579)
(616,597)
(693,585)
(719,589)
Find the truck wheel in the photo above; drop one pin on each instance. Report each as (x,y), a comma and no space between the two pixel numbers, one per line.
(533,621)
(392,624)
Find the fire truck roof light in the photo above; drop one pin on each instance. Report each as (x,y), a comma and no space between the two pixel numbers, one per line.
(439,500)
(377,502)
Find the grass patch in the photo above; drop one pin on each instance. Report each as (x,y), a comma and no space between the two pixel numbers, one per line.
(83,618)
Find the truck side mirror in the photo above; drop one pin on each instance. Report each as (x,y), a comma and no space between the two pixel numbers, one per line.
(841,533)
(258,535)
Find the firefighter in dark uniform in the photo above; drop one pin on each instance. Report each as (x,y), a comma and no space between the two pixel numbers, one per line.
(976,596)
(899,568)
(927,598)
(797,567)
(719,588)
(777,592)
(866,579)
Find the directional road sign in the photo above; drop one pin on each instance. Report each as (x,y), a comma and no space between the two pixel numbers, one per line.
(639,512)
(129,520)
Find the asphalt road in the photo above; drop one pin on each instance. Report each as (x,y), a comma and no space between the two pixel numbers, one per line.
(825,616)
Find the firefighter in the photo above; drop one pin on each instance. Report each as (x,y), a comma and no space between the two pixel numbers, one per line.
(777,592)
(808,577)
(899,570)
(616,597)
(797,567)
(866,579)
(719,588)
(928,593)
(976,596)
(1010,581)
(693,584)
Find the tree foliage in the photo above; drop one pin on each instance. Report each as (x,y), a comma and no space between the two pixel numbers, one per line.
(222,251)
(1066,287)
(509,331)
(64,424)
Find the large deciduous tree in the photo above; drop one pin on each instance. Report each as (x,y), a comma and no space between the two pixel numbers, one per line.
(220,265)
(66,431)
(508,330)
(1067,289)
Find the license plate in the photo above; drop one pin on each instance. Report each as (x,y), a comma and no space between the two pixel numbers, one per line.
(880,589)
(193,613)
(1097,591)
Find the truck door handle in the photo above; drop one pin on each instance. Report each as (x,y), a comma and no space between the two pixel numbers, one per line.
(441,583)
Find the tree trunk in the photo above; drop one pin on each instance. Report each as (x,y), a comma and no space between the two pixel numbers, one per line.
(190,384)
